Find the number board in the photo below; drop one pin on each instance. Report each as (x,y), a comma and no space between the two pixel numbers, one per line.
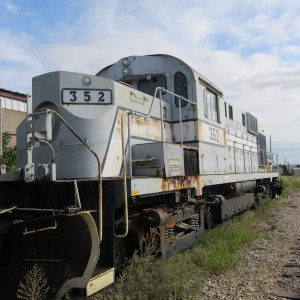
(86,96)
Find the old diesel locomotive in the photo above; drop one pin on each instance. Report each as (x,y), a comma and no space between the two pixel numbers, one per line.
(147,153)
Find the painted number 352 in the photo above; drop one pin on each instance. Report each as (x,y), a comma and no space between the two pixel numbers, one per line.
(214,135)
(83,96)
(87,96)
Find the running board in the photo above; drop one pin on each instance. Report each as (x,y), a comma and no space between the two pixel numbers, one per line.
(101,279)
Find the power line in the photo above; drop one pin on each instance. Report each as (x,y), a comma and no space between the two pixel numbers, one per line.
(287,149)
(285,137)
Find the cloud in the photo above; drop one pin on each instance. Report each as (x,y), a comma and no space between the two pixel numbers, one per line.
(19,61)
(9,6)
(250,51)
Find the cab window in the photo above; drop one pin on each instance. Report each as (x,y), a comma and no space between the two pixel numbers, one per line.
(149,86)
(180,88)
(211,105)
(230,112)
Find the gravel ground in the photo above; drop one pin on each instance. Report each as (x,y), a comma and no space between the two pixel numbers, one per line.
(270,267)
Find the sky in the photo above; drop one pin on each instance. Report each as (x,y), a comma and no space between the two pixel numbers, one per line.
(250,49)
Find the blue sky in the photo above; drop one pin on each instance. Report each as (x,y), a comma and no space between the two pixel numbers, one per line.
(250,49)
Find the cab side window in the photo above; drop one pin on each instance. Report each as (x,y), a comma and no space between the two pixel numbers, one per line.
(211,103)
(230,112)
(149,86)
(180,88)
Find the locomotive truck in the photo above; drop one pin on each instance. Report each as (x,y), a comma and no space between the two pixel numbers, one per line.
(146,153)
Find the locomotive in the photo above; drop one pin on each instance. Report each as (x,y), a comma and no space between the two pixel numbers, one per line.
(146,153)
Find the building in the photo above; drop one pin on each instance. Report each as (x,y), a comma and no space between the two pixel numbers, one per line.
(296,171)
(13,110)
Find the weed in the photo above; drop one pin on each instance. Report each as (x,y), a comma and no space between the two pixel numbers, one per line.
(150,278)
(35,286)
(290,183)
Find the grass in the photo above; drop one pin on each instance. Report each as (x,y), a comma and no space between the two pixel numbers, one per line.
(218,251)
(149,278)
(290,183)
(182,275)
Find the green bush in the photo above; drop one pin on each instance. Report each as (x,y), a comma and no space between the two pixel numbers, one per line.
(290,183)
(8,153)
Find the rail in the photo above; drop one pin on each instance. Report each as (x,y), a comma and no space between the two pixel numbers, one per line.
(100,200)
(26,232)
(159,90)
(126,112)
(162,90)
(7,210)
(180,98)
(265,159)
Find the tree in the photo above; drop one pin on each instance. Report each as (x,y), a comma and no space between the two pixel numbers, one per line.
(285,170)
(8,153)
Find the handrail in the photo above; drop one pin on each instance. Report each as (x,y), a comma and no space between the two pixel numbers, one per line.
(180,97)
(121,236)
(78,204)
(234,156)
(127,112)
(26,232)
(158,89)
(162,90)
(151,105)
(100,200)
(266,154)
(161,116)
(7,210)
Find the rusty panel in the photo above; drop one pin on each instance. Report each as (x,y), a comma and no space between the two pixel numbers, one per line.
(149,128)
(178,183)
(143,186)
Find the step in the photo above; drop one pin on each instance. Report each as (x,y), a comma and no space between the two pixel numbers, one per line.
(101,279)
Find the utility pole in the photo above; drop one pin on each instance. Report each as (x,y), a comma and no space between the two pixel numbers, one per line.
(1,146)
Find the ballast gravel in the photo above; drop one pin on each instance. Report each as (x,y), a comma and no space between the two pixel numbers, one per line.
(270,268)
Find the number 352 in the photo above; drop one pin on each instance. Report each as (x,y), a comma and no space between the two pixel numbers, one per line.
(214,134)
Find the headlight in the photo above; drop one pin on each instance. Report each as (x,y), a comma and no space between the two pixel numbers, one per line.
(126,71)
(126,61)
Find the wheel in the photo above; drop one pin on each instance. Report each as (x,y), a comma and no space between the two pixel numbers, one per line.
(153,242)
(208,219)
